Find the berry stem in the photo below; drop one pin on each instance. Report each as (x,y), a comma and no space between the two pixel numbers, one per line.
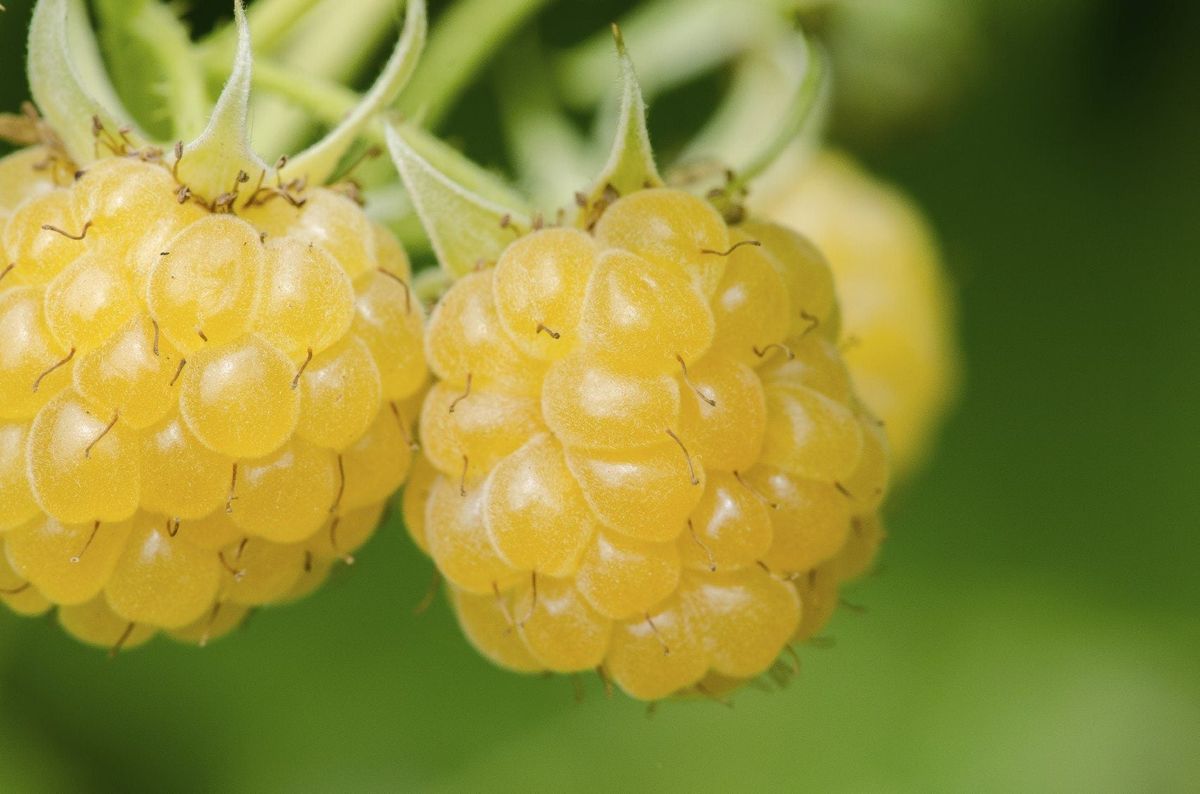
(689,38)
(326,100)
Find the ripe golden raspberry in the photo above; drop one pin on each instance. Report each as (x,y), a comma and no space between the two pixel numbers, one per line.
(643,452)
(202,407)
(898,327)
(209,366)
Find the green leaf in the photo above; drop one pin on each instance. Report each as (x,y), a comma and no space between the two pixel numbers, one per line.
(319,161)
(70,91)
(468,215)
(630,164)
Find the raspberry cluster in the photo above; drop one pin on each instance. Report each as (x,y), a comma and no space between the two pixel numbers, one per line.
(203,406)
(643,453)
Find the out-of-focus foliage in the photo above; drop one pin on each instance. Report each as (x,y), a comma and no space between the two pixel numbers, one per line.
(902,65)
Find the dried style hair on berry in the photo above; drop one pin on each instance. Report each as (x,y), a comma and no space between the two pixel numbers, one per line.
(210,366)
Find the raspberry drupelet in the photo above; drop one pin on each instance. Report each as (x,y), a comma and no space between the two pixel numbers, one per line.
(203,405)
(643,452)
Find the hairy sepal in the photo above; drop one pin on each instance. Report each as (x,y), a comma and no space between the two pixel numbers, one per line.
(469,216)
(67,79)
(211,164)
(630,163)
(317,163)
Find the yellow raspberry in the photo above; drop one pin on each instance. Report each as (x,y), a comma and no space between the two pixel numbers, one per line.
(643,453)
(200,411)
(209,366)
(898,329)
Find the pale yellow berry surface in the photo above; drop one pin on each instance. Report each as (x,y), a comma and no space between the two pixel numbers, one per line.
(898,329)
(643,453)
(200,411)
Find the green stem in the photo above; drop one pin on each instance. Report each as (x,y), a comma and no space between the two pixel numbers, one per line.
(306,73)
(462,40)
(326,101)
(331,44)
(337,44)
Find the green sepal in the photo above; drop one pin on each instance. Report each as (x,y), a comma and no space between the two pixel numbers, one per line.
(469,216)
(67,79)
(217,162)
(630,163)
(318,162)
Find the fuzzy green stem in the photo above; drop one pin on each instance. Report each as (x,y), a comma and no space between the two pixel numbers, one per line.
(462,40)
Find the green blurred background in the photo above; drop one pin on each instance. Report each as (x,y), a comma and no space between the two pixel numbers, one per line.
(1034,625)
